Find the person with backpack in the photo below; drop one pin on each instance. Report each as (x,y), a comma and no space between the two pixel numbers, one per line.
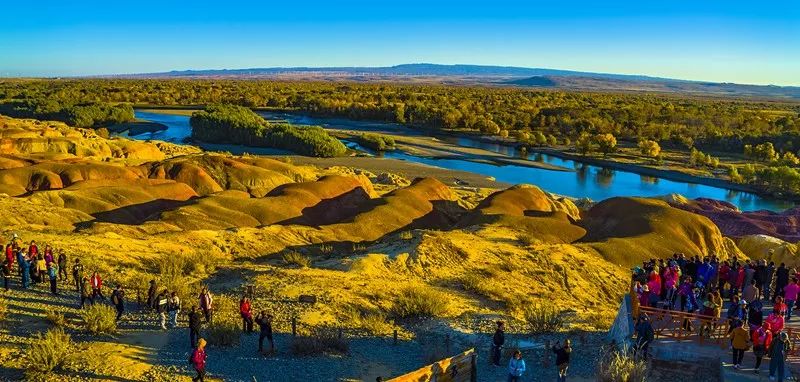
(118,299)
(761,338)
(97,286)
(62,266)
(52,273)
(498,340)
(264,322)
(173,308)
(562,359)
(77,274)
(644,335)
(198,360)
(246,311)
(86,292)
(194,326)
(778,351)
(206,304)
(516,367)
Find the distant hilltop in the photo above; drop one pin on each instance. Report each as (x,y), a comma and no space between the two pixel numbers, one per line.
(494,75)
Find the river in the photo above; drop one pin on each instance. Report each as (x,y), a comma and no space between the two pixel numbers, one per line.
(587,181)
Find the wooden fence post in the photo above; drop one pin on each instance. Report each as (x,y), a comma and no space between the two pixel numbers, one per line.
(294,326)
(473,376)
(395,336)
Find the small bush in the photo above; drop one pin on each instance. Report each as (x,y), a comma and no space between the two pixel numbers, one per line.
(296,258)
(599,321)
(406,235)
(528,240)
(319,343)
(420,302)
(48,352)
(224,332)
(56,319)
(376,142)
(100,319)
(544,319)
(621,366)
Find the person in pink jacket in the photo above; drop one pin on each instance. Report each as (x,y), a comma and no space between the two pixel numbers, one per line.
(199,360)
(671,277)
(790,293)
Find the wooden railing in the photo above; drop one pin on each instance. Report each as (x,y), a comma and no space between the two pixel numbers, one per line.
(461,368)
(686,326)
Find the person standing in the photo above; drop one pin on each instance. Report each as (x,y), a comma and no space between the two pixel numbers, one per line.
(77,274)
(206,304)
(644,335)
(777,357)
(86,292)
(6,273)
(52,272)
(781,280)
(41,269)
(25,266)
(97,286)
(161,308)
(498,340)
(762,338)
(264,322)
(199,360)
(118,299)
(194,326)
(246,311)
(62,266)
(174,307)
(151,295)
(562,359)
(740,339)
(750,292)
(516,367)
(790,293)
(770,272)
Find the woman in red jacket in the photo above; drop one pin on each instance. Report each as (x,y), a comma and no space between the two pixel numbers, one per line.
(199,360)
(762,338)
(246,310)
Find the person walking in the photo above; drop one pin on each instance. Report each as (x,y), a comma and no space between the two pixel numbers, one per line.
(790,293)
(151,295)
(644,335)
(62,267)
(740,341)
(6,273)
(199,360)
(25,267)
(777,357)
(206,304)
(41,269)
(194,326)
(161,308)
(86,292)
(562,359)
(97,286)
(246,311)
(516,367)
(762,338)
(781,280)
(77,274)
(264,322)
(118,299)
(52,273)
(174,307)
(498,340)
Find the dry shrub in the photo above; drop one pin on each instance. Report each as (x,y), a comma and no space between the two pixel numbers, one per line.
(225,328)
(406,235)
(296,258)
(100,319)
(48,352)
(528,240)
(182,273)
(419,301)
(3,308)
(599,321)
(56,319)
(320,342)
(371,321)
(541,319)
(621,366)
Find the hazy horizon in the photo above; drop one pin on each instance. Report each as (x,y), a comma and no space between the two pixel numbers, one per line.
(714,41)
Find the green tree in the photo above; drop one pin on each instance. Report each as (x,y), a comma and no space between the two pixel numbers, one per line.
(650,149)
(606,143)
(584,144)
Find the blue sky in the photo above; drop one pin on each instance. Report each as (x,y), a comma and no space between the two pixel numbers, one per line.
(731,41)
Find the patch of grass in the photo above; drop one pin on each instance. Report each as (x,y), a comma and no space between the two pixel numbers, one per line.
(322,341)
(372,321)
(48,352)
(100,319)
(541,319)
(326,249)
(598,321)
(418,301)
(56,319)
(621,366)
(296,258)
(528,239)
(3,308)
(406,235)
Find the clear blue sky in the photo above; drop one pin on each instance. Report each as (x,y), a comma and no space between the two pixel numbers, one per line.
(727,41)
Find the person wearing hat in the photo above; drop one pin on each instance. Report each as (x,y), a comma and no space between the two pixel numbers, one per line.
(740,341)
(737,313)
(644,334)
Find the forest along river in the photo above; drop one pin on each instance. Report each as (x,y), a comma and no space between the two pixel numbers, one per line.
(587,181)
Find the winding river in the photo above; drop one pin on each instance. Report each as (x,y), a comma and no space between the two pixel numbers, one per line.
(587,181)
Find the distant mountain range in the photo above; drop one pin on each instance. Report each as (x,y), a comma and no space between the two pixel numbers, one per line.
(498,76)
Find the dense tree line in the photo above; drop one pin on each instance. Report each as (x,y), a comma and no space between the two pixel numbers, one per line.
(377,142)
(240,125)
(708,124)
(94,114)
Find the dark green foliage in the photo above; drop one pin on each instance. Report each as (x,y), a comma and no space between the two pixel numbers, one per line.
(376,142)
(78,115)
(237,124)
